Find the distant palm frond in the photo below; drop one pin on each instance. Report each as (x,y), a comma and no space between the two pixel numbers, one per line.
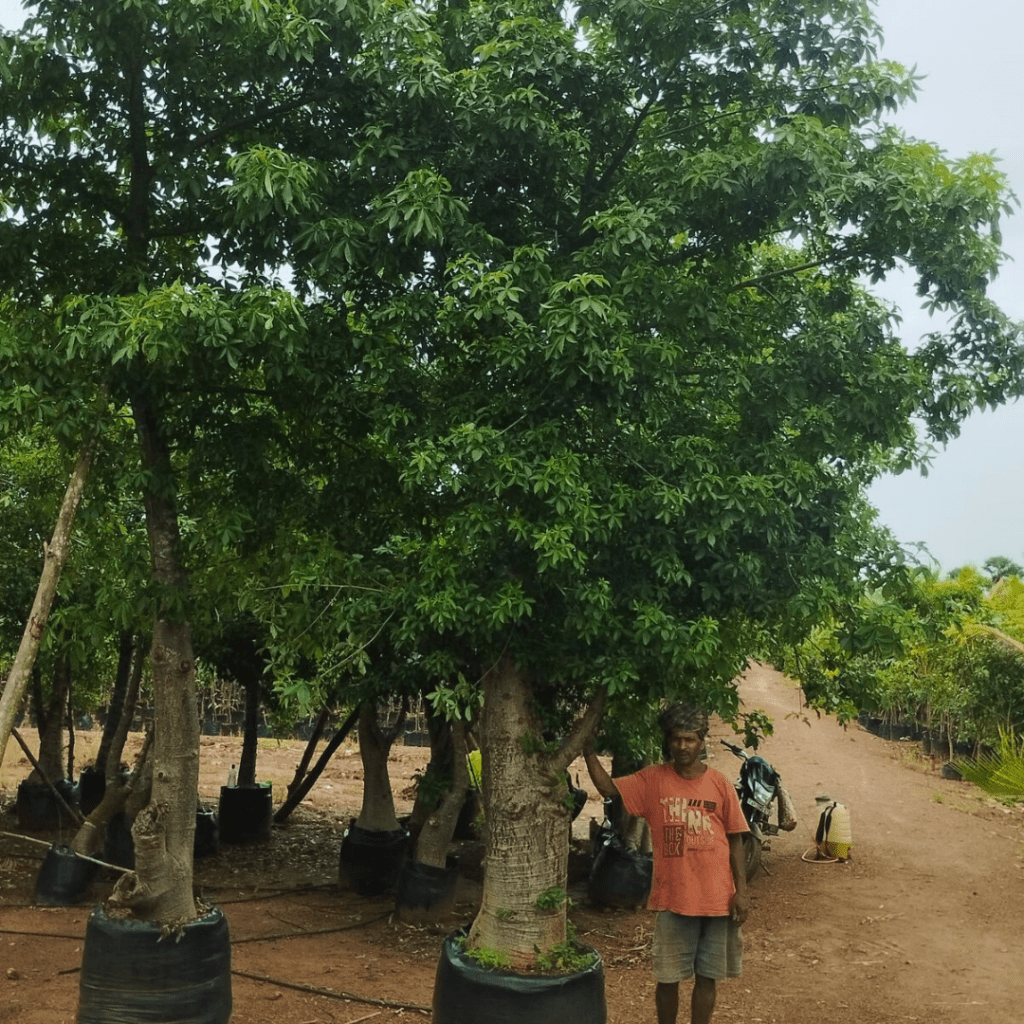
(976,629)
(1000,774)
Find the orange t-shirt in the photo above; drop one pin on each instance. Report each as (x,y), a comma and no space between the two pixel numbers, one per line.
(690,823)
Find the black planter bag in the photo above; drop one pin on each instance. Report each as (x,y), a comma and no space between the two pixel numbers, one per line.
(245,813)
(129,976)
(425,891)
(371,861)
(39,810)
(619,877)
(64,878)
(466,993)
(92,784)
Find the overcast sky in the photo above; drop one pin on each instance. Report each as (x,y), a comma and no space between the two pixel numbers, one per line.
(969,506)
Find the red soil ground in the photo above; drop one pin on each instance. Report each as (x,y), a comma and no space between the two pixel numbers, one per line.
(924,923)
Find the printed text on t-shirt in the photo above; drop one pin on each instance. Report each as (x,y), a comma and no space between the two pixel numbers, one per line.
(687,825)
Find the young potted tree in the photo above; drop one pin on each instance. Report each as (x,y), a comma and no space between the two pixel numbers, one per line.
(428,878)
(632,427)
(375,844)
(67,872)
(245,809)
(123,313)
(234,650)
(45,796)
(93,778)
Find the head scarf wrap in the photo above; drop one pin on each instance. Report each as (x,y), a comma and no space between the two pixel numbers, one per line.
(686,717)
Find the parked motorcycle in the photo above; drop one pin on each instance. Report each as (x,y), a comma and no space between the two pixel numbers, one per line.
(760,791)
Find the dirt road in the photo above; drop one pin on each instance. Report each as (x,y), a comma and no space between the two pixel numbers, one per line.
(923,924)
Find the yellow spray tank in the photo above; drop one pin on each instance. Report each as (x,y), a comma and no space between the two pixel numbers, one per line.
(833,837)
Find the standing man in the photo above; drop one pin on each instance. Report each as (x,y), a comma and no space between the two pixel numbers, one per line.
(700,887)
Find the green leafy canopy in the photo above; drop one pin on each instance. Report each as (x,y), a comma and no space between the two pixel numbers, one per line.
(543,324)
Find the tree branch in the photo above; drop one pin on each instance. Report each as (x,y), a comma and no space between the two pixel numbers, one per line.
(627,144)
(755,282)
(589,190)
(55,554)
(252,119)
(582,729)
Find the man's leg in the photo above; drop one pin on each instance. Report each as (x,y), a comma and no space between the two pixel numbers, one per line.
(702,1001)
(666,999)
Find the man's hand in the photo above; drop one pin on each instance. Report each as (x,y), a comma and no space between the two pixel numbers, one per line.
(739,908)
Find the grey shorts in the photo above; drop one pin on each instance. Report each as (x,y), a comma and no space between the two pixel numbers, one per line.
(684,946)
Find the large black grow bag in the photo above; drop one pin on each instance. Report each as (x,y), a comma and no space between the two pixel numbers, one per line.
(371,861)
(92,784)
(466,993)
(39,810)
(245,813)
(465,827)
(64,878)
(120,847)
(619,876)
(425,892)
(130,976)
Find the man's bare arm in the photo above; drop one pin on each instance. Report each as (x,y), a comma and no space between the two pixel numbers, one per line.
(737,862)
(603,782)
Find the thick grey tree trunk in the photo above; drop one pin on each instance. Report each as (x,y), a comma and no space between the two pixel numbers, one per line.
(528,819)
(378,811)
(160,888)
